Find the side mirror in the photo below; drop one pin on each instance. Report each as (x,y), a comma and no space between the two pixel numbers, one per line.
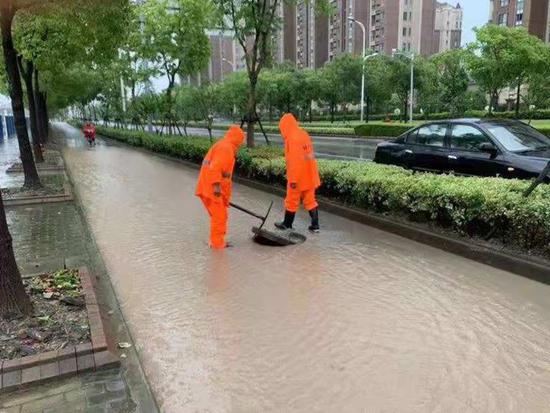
(488,147)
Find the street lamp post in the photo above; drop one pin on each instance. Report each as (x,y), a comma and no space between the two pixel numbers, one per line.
(411,93)
(362,26)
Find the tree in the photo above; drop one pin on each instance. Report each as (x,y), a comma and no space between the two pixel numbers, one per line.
(185,106)
(453,81)
(399,72)
(232,95)
(13,298)
(309,87)
(8,9)
(204,98)
(175,40)
(254,23)
(340,82)
(503,56)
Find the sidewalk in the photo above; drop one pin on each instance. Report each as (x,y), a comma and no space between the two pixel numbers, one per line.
(47,237)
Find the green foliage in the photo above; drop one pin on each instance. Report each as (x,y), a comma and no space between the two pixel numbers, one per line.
(340,81)
(453,81)
(372,129)
(174,35)
(469,206)
(501,56)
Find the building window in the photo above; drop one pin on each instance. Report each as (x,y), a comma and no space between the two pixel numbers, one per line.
(410,16)
(405,16)
(503,19)
(519,19)
(404,31)
(410,31)
(503,3)
(404,46)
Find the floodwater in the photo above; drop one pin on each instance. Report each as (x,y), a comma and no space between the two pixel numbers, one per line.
(9,154)
(354,320)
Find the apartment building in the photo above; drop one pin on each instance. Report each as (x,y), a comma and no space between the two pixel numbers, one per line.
(448,27)
(531,14)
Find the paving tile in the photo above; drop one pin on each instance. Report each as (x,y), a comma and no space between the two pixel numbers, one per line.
(105,360)
(30,375)
(42,404)
(49,370)
(85,362)
(68,366)
(11,378)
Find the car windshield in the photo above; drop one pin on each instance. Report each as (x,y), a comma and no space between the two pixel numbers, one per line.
(519,137)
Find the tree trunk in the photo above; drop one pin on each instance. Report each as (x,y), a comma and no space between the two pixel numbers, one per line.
(518,98)
(27,77)
(332,111)
(16,95)
(251,113)
(310,111)
(13,298)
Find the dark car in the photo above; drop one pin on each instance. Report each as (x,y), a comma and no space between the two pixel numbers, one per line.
(481,147)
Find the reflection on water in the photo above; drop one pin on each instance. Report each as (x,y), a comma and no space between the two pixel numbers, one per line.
(353,320)
(9,154)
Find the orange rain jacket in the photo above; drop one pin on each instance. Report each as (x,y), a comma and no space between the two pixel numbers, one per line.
(301,166)
(218,164)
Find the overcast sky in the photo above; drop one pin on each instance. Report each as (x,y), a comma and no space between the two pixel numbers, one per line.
(476,14)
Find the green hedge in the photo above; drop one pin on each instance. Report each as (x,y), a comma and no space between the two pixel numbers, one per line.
(389,130)
(314,130)
(469,206)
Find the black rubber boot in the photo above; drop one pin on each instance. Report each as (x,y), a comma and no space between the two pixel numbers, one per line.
(314,214)
(287,223)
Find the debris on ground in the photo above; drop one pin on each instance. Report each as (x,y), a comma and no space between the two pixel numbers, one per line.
(59,318)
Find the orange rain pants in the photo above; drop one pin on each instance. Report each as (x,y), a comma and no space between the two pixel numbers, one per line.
(217,169)
(301,166)
(294,197)
(218,221)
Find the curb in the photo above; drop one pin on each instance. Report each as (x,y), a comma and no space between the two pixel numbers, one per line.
(70,361)
(67,196)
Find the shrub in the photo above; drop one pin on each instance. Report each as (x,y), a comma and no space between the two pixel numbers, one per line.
(390,130)
(468,206)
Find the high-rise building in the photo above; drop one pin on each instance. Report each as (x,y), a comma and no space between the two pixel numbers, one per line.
(448,27)
(406,25)
(531,14)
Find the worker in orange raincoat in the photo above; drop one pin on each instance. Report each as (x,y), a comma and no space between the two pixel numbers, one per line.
(214,185)
(301,173)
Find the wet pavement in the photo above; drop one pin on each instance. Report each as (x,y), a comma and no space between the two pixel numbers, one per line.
(326,147)
(355,319)
(45,238)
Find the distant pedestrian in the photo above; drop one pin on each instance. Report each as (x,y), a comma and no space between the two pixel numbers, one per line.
(89,133)
(214,185)
(301,173)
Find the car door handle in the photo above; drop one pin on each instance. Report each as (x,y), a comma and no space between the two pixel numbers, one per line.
(452,157)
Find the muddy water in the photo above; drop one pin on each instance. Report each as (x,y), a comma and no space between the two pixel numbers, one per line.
(353,320)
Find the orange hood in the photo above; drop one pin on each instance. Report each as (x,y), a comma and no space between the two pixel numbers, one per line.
(235,136)
(288,125)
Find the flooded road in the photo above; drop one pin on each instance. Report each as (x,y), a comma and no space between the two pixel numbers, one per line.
(354,320)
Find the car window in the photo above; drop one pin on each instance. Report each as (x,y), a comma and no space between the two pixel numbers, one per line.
(430,135)
(467,138)
(519,137)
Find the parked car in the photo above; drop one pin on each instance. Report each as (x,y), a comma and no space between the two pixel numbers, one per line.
(479,147)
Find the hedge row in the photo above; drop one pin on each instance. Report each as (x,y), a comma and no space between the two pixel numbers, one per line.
(469,206)
(389,130)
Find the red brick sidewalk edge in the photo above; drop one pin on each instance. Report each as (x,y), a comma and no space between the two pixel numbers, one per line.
(70,361)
